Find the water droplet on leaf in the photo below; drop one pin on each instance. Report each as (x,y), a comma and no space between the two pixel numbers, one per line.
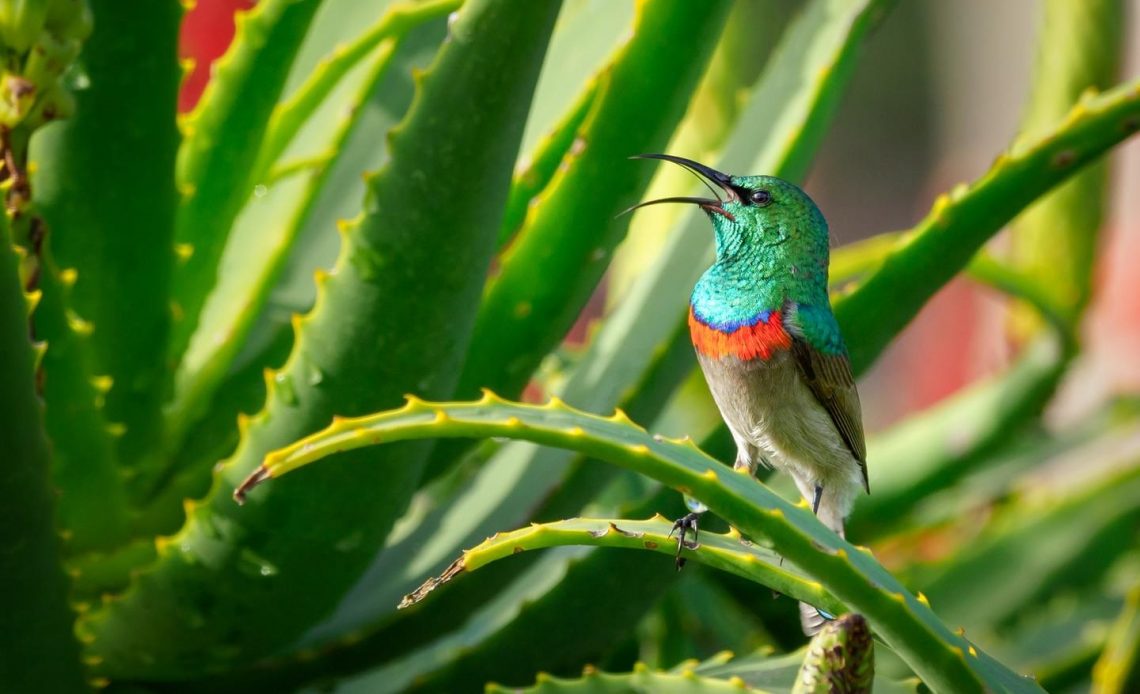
(284,387)
(252,564)
(313,374)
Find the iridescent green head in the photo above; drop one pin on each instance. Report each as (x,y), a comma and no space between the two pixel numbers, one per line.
(758,216)
(771,243)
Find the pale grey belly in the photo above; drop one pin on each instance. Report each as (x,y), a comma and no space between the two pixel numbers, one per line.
(773,415)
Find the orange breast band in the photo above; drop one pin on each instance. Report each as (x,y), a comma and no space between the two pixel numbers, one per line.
(761,339)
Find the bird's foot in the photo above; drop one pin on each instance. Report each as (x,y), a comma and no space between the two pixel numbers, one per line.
(684,525)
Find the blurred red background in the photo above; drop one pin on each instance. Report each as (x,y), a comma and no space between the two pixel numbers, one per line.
(206,32)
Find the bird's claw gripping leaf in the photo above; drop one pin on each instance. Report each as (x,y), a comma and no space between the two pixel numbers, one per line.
(684,525)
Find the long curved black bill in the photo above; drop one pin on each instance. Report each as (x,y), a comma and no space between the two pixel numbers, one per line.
(706,203)
(706,174)
(721,179)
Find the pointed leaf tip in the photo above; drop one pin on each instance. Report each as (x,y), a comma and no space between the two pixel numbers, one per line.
(255,478)
(457,567)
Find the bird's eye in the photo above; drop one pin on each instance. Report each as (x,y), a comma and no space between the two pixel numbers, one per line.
(761,197)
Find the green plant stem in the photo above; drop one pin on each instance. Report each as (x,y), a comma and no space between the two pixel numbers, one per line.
(726,552)
(924,259)
(1055,240)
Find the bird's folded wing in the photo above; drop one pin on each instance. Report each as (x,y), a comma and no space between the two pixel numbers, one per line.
(829,378)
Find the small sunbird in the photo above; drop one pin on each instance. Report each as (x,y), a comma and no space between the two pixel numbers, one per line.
(769,345)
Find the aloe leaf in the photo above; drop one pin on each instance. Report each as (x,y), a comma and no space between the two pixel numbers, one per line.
(538,292)
(936,448)
(95,574)
(291,115)
(341,196)
(1029,454)
(284,233)
(642,679)
(854,260)
(945,661)
(549,271)
(932,450)
(222,139)
(761,672)
(1059,642)
(726,552)
(93,510)
(453,639)
(698,614)
(458,647)
(632,584)
(468,654)
(1086,529)
(539,168)
(42,652)
(402,654)
(226,323)
(221,581)
(213,437)
(1118,669)
(961,221)
(1078,50)
(111,217)
(586,37)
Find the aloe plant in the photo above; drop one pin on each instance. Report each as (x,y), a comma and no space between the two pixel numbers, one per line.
(374,200)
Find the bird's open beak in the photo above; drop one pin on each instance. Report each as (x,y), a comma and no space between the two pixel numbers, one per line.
(707,174)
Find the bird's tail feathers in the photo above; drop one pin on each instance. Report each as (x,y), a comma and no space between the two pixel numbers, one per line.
(811,619)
